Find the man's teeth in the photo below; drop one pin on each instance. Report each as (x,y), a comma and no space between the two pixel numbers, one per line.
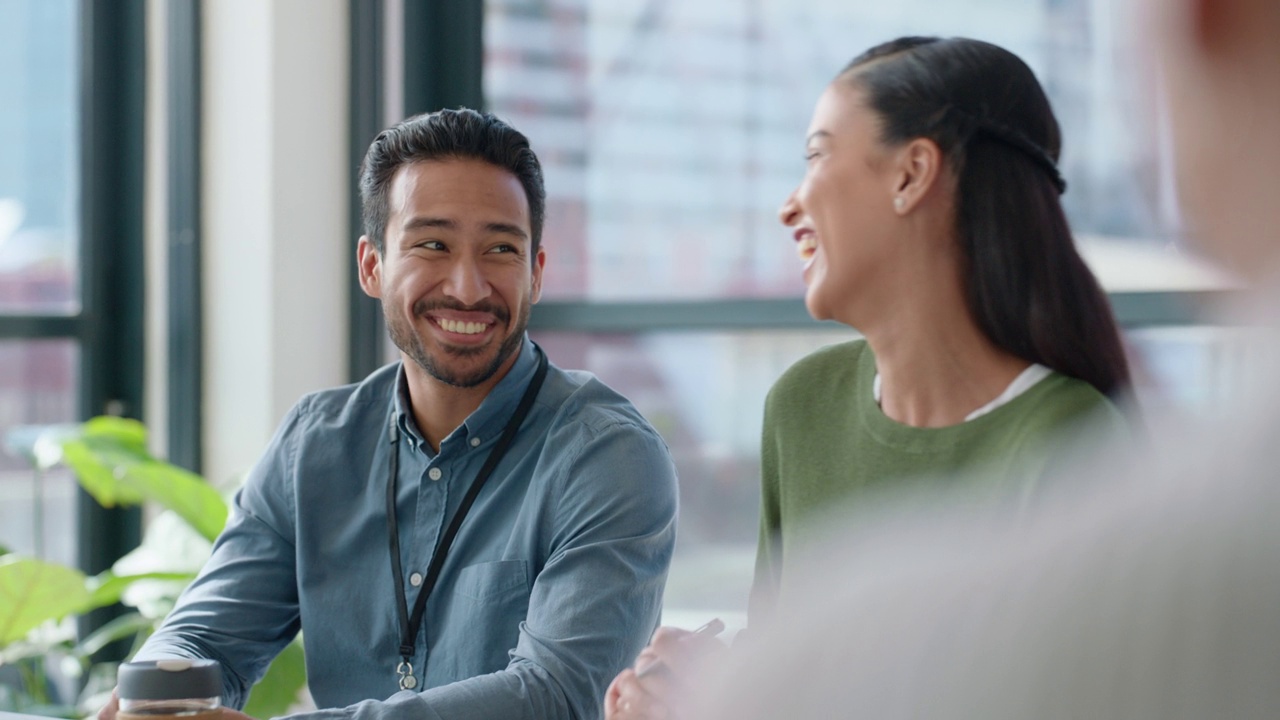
(465,328)
(806,246)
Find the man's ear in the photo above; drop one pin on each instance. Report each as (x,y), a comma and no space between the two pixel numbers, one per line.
(369,263)
(919,165)
(539,262)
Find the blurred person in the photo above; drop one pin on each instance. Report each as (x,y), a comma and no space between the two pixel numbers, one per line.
(1152,592)
(929,220)
(562,497)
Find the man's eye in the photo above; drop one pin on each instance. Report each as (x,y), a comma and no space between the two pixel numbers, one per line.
(504,249)
(810,155)
(431,245)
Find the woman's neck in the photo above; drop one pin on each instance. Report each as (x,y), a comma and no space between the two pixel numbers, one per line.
(936,366)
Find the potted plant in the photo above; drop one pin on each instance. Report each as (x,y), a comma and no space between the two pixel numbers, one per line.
(40,600)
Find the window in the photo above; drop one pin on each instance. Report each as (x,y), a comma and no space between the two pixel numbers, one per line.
(40,373)
(71,127)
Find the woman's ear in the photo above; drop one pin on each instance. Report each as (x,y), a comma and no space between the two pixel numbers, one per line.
(919,166)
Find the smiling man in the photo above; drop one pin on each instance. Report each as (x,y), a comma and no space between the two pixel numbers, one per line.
(470,532)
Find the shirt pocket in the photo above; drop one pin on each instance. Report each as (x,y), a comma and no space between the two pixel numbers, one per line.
(490,600)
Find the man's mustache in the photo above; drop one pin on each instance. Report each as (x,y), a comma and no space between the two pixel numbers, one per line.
(422,307)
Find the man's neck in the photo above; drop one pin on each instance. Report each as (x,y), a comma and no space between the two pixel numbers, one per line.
(438,407)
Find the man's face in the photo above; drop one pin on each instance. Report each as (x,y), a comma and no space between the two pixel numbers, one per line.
(455,275)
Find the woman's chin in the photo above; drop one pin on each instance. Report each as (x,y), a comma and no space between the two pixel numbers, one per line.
(817,309)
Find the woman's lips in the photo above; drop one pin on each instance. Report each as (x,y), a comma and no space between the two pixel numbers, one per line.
(806,244)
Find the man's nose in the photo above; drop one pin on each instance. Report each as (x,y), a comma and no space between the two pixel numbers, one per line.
(467,282)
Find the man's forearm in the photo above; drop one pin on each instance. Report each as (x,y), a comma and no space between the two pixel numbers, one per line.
(524,690)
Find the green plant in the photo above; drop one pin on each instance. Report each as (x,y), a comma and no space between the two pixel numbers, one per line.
(39,600)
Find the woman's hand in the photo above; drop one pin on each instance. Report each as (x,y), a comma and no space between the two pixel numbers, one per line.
(664,674)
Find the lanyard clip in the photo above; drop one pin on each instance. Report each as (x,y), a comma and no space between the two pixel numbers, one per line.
(404,671)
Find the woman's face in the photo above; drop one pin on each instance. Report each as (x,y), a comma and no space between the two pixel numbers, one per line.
(842,212)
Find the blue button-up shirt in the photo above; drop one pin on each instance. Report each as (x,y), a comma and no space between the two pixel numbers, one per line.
(552,586)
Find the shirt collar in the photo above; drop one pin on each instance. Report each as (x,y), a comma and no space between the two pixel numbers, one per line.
(485,421)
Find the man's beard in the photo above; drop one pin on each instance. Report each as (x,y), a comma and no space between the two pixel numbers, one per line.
(402,334)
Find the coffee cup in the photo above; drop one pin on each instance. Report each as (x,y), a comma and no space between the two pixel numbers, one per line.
(171,689)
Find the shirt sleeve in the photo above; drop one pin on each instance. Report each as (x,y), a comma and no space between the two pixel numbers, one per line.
(248,584)
(594,604)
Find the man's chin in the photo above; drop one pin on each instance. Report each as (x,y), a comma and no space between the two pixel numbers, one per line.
(462,375)
(467,367)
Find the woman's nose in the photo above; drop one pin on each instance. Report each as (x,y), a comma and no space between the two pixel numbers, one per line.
(789,213)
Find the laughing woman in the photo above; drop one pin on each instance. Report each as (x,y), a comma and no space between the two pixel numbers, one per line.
(929,220)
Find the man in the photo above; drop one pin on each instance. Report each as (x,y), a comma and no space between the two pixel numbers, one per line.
(554,578)
(1151,593)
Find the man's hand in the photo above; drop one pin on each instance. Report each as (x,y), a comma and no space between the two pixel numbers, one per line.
(663,675)
(112,708)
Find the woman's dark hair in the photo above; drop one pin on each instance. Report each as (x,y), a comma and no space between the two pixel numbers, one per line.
(1027,286)
(448,135)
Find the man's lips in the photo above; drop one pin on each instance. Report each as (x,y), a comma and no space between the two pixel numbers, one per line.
(462,327)
(473,321)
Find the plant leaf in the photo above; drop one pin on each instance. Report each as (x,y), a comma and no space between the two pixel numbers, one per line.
(100,468)
(126,434)
(278,690)
(127,625)
(107,588)
(33,592)
(183,492)
(110,460)
(42,642)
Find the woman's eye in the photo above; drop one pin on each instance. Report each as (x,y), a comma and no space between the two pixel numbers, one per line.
(810,155)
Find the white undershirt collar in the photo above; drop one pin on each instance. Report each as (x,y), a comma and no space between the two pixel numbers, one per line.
(1024,382)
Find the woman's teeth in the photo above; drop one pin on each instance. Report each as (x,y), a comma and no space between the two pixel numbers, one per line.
(806,247)
(465,328)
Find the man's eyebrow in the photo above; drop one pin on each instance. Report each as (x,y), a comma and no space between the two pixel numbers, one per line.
(417,223)
(420,222)
(507,229)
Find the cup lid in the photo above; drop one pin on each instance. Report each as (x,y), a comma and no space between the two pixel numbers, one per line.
(169,679)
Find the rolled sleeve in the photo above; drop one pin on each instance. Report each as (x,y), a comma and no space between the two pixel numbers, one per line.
(242,608)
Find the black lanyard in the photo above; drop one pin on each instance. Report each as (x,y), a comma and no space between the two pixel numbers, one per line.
(409,625)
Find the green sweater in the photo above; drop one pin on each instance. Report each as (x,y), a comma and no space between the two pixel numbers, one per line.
(826,441)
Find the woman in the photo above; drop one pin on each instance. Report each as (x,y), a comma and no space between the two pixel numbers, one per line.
(929,220)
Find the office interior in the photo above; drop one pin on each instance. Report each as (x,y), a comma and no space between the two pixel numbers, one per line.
(178,218)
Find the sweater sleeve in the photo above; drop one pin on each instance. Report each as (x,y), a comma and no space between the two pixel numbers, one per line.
(768,571)
(1066,448)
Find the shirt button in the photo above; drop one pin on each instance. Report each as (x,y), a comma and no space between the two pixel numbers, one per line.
(415,579)
(475,442)
(434,473)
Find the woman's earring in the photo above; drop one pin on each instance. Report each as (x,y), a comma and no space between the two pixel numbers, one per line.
(899,203)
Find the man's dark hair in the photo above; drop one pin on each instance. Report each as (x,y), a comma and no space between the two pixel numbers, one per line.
(1027,286)
(447,135)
